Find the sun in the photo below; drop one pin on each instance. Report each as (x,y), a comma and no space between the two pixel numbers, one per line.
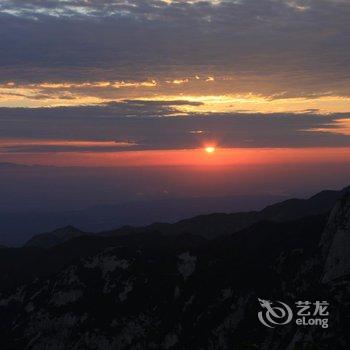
(210,149)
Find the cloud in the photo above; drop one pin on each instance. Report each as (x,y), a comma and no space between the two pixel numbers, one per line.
(146,125)
(289,48)
(53,146)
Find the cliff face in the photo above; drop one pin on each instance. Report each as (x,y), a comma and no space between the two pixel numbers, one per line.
(151,291)
(335,242)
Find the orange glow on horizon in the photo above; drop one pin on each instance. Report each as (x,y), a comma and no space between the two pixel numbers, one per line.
(187,157)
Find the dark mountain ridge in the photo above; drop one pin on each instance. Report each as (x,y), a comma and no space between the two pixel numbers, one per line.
(61,235)
(212,225)
(179,291)
(18,226)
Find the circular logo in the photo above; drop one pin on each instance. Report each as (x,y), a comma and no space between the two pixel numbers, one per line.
(274,313)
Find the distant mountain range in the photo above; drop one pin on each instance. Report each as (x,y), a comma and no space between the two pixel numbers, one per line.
(213,225)
(171,287)
(56,237)
(17,227)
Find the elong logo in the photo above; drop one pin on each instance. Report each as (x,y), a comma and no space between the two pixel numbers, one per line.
(277,313)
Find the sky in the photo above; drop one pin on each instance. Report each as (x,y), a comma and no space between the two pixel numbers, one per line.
(150,84)
(256,55)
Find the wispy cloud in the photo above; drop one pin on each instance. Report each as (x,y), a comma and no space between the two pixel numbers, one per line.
(52,146)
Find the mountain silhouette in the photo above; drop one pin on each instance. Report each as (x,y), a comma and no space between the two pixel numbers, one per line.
(50,239)
(212,225)
(171,290)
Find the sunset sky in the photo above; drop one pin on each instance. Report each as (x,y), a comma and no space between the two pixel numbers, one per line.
(151,83)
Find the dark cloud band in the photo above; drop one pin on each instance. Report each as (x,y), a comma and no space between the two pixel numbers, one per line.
(145,125)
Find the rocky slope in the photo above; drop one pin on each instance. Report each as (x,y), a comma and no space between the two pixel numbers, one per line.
(336,242)
(159,291)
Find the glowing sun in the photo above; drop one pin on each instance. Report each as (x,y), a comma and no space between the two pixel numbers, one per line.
(210,149)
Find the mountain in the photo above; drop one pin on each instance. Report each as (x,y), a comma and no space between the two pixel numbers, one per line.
(336,242)
(290,209)
(213,225)
(50,239)
(16,227)
(182,291)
